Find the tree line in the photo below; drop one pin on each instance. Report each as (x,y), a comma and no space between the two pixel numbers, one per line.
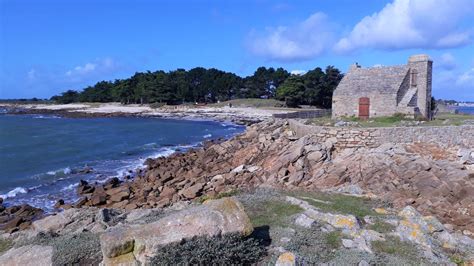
(203,85)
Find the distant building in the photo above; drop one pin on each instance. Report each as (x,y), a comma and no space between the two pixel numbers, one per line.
(385,91)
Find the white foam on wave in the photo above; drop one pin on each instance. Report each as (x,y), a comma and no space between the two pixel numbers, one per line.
(46,117)
(207,136)
(60,172)
(140,163)
(12,193)
(70,187)
(67,171)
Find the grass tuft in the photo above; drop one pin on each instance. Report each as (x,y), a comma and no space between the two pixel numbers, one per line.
(272,213)
(333,239)
(394,246)
(381,227)
(339,203)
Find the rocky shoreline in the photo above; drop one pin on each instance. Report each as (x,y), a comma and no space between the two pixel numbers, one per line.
(270,155)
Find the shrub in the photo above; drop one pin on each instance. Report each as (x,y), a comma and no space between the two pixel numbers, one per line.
(82,248)
(230,249)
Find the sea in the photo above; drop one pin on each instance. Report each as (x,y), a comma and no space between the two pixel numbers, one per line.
(44,157)
(465,109)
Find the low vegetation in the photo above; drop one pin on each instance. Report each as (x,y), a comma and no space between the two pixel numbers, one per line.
(338,203)
(381,226)
(222,250)
(272,213)
(333,239)
(397,120)
(82,248)
(457,259)
(5,245)
(451,119)
(313,246)
(394,246)
(230,193)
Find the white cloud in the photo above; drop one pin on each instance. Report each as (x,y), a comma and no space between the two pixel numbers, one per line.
(466,79)
(81,70)
(303,41)
(446,61)
(455,82)
(406,24)
(99,65)
(298,72)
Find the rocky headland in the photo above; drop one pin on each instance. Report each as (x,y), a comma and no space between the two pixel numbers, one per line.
(295,189)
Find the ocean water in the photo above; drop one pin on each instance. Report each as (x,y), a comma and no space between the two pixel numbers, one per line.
(466,110)
(41,156)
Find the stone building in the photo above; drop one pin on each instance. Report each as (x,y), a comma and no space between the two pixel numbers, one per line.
(385,91)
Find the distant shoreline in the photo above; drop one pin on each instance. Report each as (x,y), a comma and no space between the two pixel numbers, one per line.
(237,115)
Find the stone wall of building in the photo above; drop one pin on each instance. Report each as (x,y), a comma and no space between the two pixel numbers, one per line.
(389,89)
(380,105)
(346,137)
(423,65)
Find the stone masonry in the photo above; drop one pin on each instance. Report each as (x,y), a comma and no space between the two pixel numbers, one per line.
(343,137)
(404,89)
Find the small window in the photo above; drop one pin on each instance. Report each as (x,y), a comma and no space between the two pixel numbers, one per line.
(414,73)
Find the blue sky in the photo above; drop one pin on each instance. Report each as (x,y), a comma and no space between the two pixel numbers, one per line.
(49,46)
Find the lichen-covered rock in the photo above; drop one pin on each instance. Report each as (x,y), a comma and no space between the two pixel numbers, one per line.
(215,217)
(413,227)
(339,221)
(286,259)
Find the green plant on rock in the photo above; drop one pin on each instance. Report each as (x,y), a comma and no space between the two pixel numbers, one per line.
(394,246)
(272,213)
(314,246)
(457,259)
(333,239)
(381,226)
(338,203)
(221,195)
(230,249)
(5,245)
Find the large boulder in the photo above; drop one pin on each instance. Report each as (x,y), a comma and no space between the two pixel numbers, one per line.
(31,255)
(16,218)
(139,243)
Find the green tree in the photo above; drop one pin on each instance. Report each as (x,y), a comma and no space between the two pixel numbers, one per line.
(69,96)
(291,91)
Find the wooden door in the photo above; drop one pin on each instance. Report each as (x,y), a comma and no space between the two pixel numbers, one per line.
(364,108)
